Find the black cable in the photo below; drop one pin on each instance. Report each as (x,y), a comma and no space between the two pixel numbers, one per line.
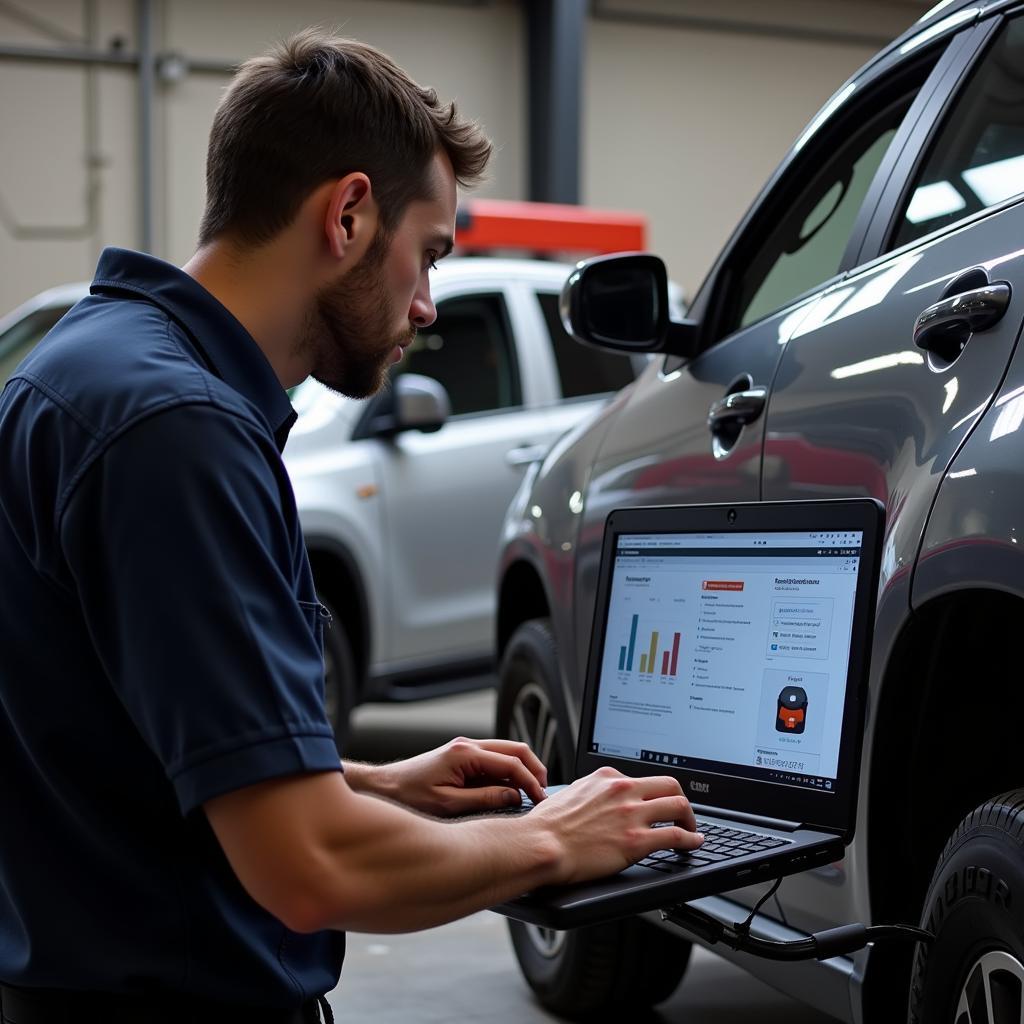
(823,945)
(744,927)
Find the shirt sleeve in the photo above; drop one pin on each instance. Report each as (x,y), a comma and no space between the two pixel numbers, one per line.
(179,542)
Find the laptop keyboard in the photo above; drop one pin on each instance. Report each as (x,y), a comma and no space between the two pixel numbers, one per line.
(721,842)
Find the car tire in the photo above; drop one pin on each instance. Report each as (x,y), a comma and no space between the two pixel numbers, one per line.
(616,968)
(973,972)
(530,705)
(339,675)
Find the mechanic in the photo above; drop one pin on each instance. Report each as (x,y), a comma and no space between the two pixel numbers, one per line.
(181,842)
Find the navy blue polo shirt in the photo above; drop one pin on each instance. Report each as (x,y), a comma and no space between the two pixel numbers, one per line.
(159,645)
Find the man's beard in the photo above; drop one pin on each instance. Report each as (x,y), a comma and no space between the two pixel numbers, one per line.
(347,329)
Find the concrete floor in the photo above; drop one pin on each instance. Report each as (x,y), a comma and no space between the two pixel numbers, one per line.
(466,971)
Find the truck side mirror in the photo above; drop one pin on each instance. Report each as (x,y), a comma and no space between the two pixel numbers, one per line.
(621,303)
(414,402)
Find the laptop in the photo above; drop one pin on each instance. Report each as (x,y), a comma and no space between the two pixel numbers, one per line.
(730,649)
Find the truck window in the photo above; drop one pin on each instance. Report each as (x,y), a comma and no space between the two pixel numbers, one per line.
(582,370)
(468,349)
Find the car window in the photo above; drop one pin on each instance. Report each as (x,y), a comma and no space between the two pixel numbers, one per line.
(582,370)
(808,242)
(469,350)
(17,341)
(978,157)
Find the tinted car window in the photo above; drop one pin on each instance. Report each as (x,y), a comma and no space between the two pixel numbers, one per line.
(808,242)
(469,350)
(582,370)
(19,340)
(978,158)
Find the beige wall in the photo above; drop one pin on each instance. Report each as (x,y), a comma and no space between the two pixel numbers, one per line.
(681,121)
(686,128)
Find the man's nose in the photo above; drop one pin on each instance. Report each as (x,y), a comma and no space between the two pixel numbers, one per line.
(422,313)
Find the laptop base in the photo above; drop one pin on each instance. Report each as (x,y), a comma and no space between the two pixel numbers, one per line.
(639,889)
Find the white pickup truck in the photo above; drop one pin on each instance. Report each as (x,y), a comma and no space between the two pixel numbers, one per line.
(402,496)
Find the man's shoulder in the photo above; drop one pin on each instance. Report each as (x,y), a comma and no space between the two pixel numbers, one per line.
(113,361)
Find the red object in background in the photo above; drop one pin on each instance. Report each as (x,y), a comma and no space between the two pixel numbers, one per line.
(483,225)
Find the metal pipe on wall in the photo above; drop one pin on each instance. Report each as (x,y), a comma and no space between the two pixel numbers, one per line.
(554,75)
(146,89)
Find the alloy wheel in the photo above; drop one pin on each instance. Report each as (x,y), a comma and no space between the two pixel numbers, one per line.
(993,992)
(534,723)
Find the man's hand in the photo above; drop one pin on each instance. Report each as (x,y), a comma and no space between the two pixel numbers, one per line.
(603,822)
(462,777)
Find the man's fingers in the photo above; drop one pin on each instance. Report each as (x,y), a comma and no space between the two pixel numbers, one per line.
(652,786)
(671,837)
(507,766)
(672,808)
(514,748)
(483,798)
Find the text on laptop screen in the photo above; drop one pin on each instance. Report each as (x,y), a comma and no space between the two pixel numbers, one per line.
(728,653)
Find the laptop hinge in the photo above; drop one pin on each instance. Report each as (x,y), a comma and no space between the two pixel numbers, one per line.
(749,819)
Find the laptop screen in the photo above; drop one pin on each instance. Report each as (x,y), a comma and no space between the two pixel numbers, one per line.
(727,653)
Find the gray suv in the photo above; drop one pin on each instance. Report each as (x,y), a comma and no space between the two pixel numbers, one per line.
(856,337)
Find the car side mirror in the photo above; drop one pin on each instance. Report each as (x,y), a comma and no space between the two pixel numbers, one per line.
(414,402)
(621,303)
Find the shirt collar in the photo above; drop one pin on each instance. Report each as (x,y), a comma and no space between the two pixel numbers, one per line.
(234,355)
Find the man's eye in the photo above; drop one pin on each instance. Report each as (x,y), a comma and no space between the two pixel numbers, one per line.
(432,260)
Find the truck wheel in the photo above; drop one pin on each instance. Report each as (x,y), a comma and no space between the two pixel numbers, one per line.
(620,967)
(339,675)
(973,973)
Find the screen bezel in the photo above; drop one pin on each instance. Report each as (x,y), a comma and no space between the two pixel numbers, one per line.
(831,811)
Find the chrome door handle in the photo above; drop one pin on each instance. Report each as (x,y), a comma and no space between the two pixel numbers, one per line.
(955,319)
(737,409)
(526,454)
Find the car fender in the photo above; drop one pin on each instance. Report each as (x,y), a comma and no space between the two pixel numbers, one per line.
(540,531)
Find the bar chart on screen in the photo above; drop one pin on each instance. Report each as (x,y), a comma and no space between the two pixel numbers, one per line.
(652,649)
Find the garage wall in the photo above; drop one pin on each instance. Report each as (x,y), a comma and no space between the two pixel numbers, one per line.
(684,114)
(67,173)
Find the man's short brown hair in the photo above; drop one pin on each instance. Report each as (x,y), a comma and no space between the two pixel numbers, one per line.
(313,109)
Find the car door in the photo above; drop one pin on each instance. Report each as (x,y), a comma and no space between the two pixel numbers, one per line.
(693,430)
(444,493)
(880,387)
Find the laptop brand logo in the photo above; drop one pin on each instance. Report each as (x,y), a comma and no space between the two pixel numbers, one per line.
(700,787)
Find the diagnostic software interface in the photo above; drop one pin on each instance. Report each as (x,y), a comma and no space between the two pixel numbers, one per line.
(728,653)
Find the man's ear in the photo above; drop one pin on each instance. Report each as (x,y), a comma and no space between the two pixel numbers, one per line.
(351,219)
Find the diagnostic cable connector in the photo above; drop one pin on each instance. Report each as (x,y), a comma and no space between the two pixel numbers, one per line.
(847,938)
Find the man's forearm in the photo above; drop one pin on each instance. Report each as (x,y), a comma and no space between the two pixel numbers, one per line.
(412,872)
(317,854)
